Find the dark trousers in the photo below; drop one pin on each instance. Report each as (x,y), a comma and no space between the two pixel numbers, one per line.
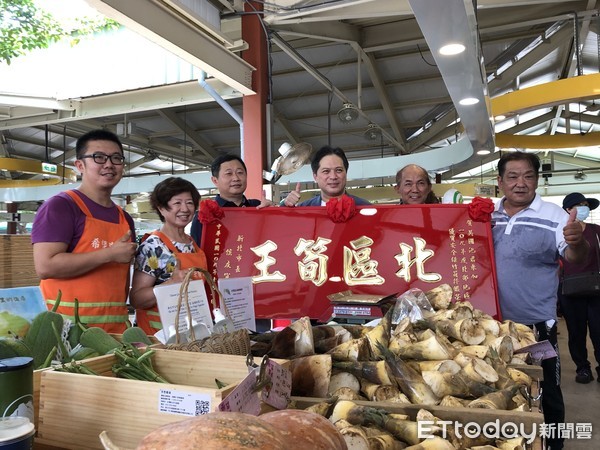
(553,404)
(581,314)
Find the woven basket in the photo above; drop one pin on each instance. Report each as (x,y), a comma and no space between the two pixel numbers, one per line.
(234,343)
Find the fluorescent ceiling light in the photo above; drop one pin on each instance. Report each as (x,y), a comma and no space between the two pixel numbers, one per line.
(483,151)
(467,101)
(500,117)
(452,49)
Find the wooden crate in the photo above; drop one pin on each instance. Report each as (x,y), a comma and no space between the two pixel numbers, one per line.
(37,379)
(16,259)
(462,415)
(74,409)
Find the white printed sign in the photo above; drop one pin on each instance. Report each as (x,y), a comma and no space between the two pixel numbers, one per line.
(239,299)
(167,299)
(193,404)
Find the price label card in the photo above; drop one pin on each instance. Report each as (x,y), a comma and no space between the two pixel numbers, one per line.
(243,398)
(171,401)
(539,351)
(277,394)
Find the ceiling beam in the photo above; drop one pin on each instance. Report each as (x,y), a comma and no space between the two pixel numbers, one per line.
(176,33)
(454,21)
(203,145)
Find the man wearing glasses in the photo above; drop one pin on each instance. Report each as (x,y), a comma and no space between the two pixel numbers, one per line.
(83,243)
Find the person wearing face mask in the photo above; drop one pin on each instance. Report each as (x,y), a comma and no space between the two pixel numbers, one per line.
(581,313)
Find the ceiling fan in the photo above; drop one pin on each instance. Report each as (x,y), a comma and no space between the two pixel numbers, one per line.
(292,158)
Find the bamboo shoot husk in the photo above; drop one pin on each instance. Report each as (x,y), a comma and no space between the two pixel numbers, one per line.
(410,382)
(327,344)
(519,377)
(324,332)
(504,345)
(405,430)
(453,402)
(376,372)
(445,366)
(322,408)
(353,350)
(501,399)
(509,328)
(380,334)
(479,351)
(480,371)
(491,326)
(343,379)
(346,393)
(355,438)
(465,330)
(457,313)
(399,340)
(310,375)
(427,350)
(304,343)
(368,389)
(457,385)
(440,297)
(392,394)
(382,393)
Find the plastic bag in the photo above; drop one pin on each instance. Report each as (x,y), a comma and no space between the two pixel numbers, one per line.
(411,304)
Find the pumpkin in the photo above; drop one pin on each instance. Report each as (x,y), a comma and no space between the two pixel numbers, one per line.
(305,430)
(216,431)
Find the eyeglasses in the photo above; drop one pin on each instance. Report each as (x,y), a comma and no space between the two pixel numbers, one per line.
(100,158)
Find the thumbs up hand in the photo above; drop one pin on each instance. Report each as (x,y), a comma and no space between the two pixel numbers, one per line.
(573,230)
(123,250)
(293,197)
(264,201)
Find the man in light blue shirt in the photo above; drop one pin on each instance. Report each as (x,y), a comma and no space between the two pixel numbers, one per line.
(529,236)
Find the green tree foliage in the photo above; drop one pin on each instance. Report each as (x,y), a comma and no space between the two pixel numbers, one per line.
(24,27)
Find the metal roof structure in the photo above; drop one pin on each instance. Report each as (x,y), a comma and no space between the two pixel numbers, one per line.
(364,75)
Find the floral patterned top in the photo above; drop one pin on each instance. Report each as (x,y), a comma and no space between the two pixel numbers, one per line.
(154,258)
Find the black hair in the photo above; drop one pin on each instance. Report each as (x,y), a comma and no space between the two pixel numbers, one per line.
(215,167)
(326,151)
(167,189)
(95,135)
(531,158)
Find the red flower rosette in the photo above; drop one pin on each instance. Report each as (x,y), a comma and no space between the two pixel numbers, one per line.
(341,209)
(210,212)
(480,209)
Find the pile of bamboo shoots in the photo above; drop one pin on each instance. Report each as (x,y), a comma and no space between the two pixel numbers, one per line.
(456,356)
(370,428)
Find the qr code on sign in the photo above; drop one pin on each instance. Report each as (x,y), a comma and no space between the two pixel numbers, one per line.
(202,407)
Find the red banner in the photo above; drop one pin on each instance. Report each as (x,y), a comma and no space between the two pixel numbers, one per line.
(298,256)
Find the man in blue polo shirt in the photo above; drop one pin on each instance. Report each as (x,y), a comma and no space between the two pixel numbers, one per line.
(529,235)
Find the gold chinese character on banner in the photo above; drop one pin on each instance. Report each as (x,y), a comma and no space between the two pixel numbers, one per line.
(313,266)
(265,262)
(421,255)
(358,266)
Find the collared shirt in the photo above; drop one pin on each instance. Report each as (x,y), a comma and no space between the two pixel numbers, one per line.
(526,247)
(317,200)
(196,230)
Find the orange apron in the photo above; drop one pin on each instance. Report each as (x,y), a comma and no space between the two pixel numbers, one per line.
(101,292)
(149,319)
